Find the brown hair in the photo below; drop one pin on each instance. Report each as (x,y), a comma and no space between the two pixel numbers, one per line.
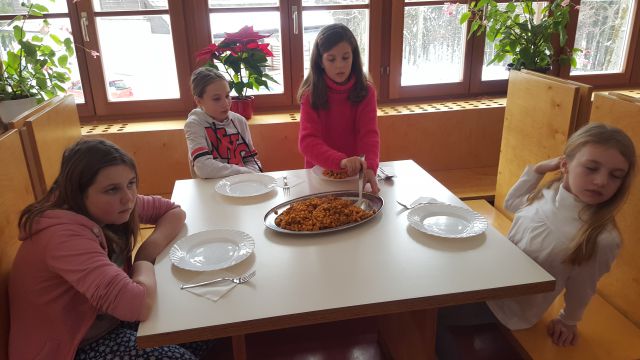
(81,164)
(596,217)
(203,77)
(314,84)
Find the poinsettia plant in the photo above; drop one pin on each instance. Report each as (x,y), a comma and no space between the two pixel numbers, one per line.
(243,57)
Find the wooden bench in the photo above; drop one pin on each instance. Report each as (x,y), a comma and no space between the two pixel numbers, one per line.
(15,194)
(468,184)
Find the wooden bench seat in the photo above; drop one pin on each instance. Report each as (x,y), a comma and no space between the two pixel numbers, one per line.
(604,332)
(473,183)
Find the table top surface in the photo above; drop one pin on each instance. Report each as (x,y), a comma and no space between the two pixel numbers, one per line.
(381,266)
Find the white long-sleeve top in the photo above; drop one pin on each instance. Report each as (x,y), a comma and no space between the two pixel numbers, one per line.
(544,230)
(220,149)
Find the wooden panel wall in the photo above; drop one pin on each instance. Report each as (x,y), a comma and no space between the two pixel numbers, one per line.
(15,194)
(621,287)
(538,120)
(440,140)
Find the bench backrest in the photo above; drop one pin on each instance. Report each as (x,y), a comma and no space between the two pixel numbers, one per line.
(539,117)
(45,135)
(621,287)
(15,194)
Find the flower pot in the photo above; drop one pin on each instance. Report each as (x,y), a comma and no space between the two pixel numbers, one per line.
(542,70)
(242,105)
(12,109)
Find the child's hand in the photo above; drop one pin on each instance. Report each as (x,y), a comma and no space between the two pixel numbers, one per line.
(562,334)
(370,178)
(546,166)
(353,165)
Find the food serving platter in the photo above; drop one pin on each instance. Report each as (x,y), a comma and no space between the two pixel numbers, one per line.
(318,171)
(375,203)
(211,249)
(448,221)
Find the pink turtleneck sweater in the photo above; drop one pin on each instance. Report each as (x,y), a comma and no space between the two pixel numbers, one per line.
(342,130)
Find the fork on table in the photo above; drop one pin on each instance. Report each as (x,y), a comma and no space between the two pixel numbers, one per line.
(286,189)
(238,280)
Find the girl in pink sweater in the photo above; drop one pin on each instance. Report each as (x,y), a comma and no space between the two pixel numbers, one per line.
(338,111)
(74,291)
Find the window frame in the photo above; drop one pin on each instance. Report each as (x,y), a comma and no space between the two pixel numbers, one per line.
(385,58)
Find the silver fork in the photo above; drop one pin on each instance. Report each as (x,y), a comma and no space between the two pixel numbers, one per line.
(409,207)
(238,280)
(286,189)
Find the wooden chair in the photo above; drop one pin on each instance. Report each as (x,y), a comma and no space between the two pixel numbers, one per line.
(46,132)
(539,117)
(15,194)
(621,287)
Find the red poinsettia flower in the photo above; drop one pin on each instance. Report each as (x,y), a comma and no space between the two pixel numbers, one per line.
(244,35)
(206,53)
(236,57)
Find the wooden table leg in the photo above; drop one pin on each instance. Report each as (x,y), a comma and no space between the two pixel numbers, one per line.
(409,335)
(239,347)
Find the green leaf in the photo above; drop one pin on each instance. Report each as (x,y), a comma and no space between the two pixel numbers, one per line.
(63,60)
(13,60)
(18,33)
(55,39)
(39,7)
(36,39)
(464,17)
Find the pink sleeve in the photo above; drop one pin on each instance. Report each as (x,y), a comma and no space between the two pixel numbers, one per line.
(74,253)
(310,140)
(152,208)
(367,127)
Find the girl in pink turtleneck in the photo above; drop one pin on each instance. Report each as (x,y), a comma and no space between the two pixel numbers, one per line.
(338,111)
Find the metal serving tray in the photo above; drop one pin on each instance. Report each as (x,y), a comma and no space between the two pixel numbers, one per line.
(375,203)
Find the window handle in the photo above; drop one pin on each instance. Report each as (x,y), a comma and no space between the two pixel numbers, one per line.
(294,11)
(84,21)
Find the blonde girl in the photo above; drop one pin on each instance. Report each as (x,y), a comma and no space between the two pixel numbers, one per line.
(218,139)
(568,227)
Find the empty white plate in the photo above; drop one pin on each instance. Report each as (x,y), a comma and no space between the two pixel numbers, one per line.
(211,249)
(446,220)
(245,185)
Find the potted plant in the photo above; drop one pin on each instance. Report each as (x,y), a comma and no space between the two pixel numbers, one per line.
(243,59)
(32,68)
(524,30)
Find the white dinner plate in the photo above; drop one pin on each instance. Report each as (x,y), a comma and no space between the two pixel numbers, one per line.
(446,220)
(317,171)
(211,249)
(245,185)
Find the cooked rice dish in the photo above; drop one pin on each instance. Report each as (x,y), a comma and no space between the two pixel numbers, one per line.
(319,213)
(333,174)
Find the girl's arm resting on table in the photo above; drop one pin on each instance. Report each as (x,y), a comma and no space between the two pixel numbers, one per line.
(165,231)
(517,196)
(76,255)
(205,166)
(144,274)
(311,144)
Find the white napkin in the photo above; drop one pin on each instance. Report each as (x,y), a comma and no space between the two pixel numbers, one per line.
(386,171)
(213,291)
(291,180)
(424,200)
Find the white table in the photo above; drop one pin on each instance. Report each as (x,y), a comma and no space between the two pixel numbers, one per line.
(381,268)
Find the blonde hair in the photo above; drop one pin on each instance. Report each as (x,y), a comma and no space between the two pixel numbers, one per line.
(596,217)
(203,77)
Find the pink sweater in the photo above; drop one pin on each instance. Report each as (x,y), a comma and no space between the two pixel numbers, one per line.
(342,130)
(61,278)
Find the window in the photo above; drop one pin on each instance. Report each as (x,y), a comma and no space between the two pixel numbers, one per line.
(134,58)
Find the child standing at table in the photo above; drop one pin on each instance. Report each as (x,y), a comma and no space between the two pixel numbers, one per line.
(73,286)
(567,227)
(338,111)
(218,139)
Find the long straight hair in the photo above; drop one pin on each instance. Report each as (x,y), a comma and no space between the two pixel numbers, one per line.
(596,217)
(314,83)
(81,163)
